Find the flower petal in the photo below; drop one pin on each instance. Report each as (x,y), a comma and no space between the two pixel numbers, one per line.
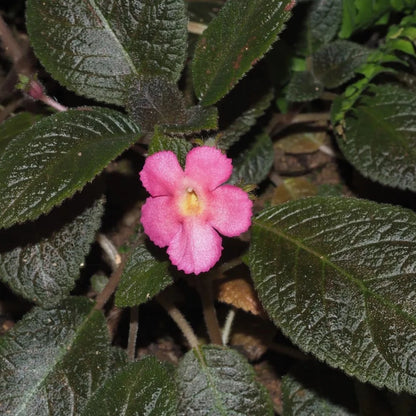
(160,173)
(160,220)
(230,210)
(208,166)
(196,248)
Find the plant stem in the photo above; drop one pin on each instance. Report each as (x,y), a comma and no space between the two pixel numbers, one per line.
(229,320)
(10,45)
(208,308)
(52,103)
(179,319)
(133,329)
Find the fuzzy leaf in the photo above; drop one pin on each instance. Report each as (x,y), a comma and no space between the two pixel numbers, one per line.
(94,47)
(45,271)
(161,141)
(218,381)
(337,275)
(313,389)
(15,125)
(197,119)
(253,165)
(304,86)
(143,277)
(155,101)
(239,36)
(53,360)
(244,123)
(141,388)
(57,157)
(336,63)
(324,20)
(379,137)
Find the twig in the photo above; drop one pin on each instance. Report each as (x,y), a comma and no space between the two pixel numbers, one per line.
(10,45)
(110,250)
(179,319)
(6,111)
(103,297)
(204,285)
(133,329)
(196,28)
(226,331)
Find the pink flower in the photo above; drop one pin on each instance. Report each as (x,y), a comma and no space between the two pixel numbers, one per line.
(187,209)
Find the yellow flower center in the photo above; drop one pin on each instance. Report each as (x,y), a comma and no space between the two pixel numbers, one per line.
(190,203)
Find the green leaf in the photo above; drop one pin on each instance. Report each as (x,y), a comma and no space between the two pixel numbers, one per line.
(337,276)
(143,277)
(57,157)
(197,119)
(253,165)
(45,271)
(53,360)
(244,123)
(304,86)
(219,381)
(15,125)
(324,20)
(379,137)
(239,36)
(203,11)
(312,389)
(94,47)
(154,101)
(141,388)
(336,63)
(179,146)
(359,14)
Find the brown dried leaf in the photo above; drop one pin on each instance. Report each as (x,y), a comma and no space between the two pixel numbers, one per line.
(293,188)
(300,143)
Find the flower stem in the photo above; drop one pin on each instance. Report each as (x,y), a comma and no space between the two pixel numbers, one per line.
(133,329)
(208,308)
(179,319)
(229,320)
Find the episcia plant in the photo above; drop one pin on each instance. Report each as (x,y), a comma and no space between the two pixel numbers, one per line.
(250,165)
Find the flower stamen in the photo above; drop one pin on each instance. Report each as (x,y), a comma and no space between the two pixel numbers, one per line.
(191,203)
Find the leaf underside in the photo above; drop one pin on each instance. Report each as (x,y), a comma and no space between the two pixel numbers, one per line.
(337,275)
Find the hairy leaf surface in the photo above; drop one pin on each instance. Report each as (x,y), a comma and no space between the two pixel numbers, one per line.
(337,275)
(45,271)
(143,277)
(141,388)
(380,136)
(94,47)
(57,157)
(218,381)
(253,165)
(53,360)
(239,36)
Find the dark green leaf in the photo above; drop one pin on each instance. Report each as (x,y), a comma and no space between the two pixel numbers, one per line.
(197,119)
(45,271)
(336,63)
(304,86)
(143,277)
(94,47)
(337,275)
(313,389)
(53,360)
(380,136)
(15,125)
(57,157)
(239,36)
(324,20)
(244,123)
(141,388)
(161,141)
(215,380)
(253,165)
(203,11)
(153,101)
